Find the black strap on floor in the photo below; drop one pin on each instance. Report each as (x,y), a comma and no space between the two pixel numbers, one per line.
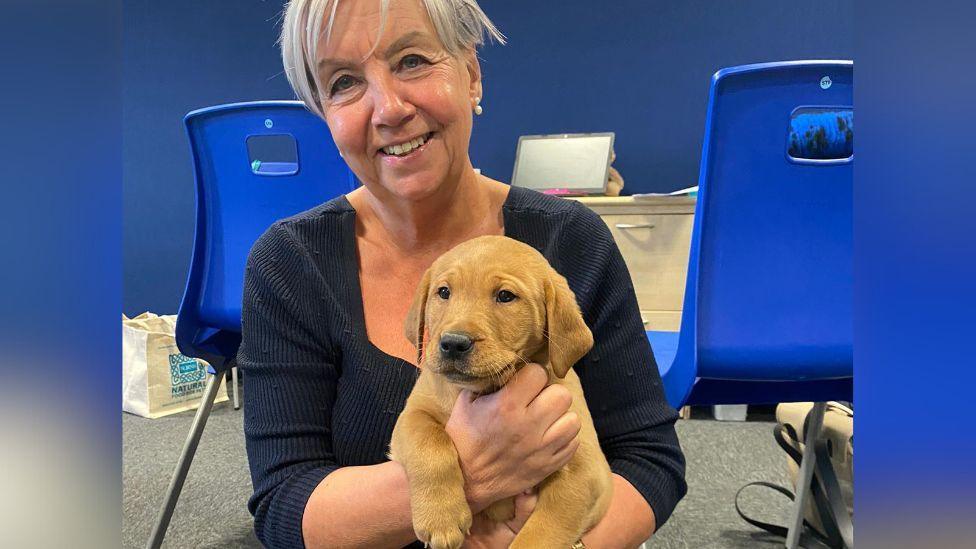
(837,525)
(767,526)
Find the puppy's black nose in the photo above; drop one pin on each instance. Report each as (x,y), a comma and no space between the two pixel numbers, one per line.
(455,344)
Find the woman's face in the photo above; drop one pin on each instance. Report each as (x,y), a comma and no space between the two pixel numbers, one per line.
(409,91)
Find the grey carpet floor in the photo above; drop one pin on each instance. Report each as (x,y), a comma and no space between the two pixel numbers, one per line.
(722,456)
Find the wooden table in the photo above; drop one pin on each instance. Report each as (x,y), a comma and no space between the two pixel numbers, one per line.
(654,237)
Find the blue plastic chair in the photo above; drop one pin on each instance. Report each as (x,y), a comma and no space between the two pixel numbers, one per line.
(767,310)
(254,163)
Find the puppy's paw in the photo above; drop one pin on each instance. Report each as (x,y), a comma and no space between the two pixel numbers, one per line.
(501,510)
(442,526)
(446,540)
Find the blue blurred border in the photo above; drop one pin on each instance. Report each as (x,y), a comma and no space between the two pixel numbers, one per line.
(61,283)
(915,256)
(915,274)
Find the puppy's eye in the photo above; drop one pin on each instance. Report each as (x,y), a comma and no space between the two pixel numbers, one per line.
(444,292)
(505,296)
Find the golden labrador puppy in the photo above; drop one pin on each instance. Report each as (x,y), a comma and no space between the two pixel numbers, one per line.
(488,307)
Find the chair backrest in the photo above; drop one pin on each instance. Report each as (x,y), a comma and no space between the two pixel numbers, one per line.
(253,163)
(769,288)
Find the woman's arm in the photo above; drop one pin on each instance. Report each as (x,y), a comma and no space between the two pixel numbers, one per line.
(628,523)
(629,520)
(370,506)
(360,507)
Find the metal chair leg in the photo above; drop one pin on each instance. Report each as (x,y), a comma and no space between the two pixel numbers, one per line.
(237,396)
(183,465)
(803,480)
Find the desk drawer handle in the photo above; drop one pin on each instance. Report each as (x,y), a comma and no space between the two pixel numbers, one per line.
(634,226)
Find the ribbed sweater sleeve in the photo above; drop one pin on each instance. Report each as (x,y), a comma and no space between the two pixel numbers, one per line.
(620,379)
(290,383)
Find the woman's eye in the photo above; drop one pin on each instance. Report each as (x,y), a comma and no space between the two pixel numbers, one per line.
(342,84)
(505,296)
(412,61)
(444,292)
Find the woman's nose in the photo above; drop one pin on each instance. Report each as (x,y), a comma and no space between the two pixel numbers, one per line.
(389,106)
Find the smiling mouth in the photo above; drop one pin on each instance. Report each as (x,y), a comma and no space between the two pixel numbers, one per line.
(404,149)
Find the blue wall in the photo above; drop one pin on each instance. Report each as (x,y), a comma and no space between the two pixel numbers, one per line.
(638,68)
(180,55)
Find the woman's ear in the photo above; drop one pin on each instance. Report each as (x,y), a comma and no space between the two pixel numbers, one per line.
(414,325)
(474,73)
(568,336)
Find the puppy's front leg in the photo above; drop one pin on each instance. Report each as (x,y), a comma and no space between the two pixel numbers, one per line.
(441,516)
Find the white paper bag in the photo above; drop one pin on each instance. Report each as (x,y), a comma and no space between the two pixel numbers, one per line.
(157,379)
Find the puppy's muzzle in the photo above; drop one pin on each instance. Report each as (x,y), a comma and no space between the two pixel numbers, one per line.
(456,345)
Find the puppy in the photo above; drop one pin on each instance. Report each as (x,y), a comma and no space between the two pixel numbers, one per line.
(487,307)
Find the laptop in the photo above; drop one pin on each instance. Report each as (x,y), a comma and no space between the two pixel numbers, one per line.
(564,164)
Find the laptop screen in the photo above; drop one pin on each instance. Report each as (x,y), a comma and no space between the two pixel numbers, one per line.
(577,163)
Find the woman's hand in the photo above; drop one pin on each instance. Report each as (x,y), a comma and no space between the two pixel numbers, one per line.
(511,440)
(488,534)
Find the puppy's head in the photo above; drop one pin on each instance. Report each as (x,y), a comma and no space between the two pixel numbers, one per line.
(489,306)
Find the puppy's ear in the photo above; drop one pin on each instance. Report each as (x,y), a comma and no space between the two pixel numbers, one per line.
(413,326)
(568,336)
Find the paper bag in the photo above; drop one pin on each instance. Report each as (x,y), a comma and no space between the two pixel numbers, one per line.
(158,380)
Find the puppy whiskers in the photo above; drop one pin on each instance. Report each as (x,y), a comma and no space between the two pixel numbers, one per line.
(494,375)
(520,357)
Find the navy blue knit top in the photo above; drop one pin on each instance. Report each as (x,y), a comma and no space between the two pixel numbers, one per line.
(319,396)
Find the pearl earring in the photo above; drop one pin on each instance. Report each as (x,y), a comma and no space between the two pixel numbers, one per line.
(477,106)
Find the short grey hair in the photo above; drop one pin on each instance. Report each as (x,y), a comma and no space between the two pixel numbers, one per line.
(460,26)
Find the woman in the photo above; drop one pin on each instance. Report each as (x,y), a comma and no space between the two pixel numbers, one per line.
(327,368)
